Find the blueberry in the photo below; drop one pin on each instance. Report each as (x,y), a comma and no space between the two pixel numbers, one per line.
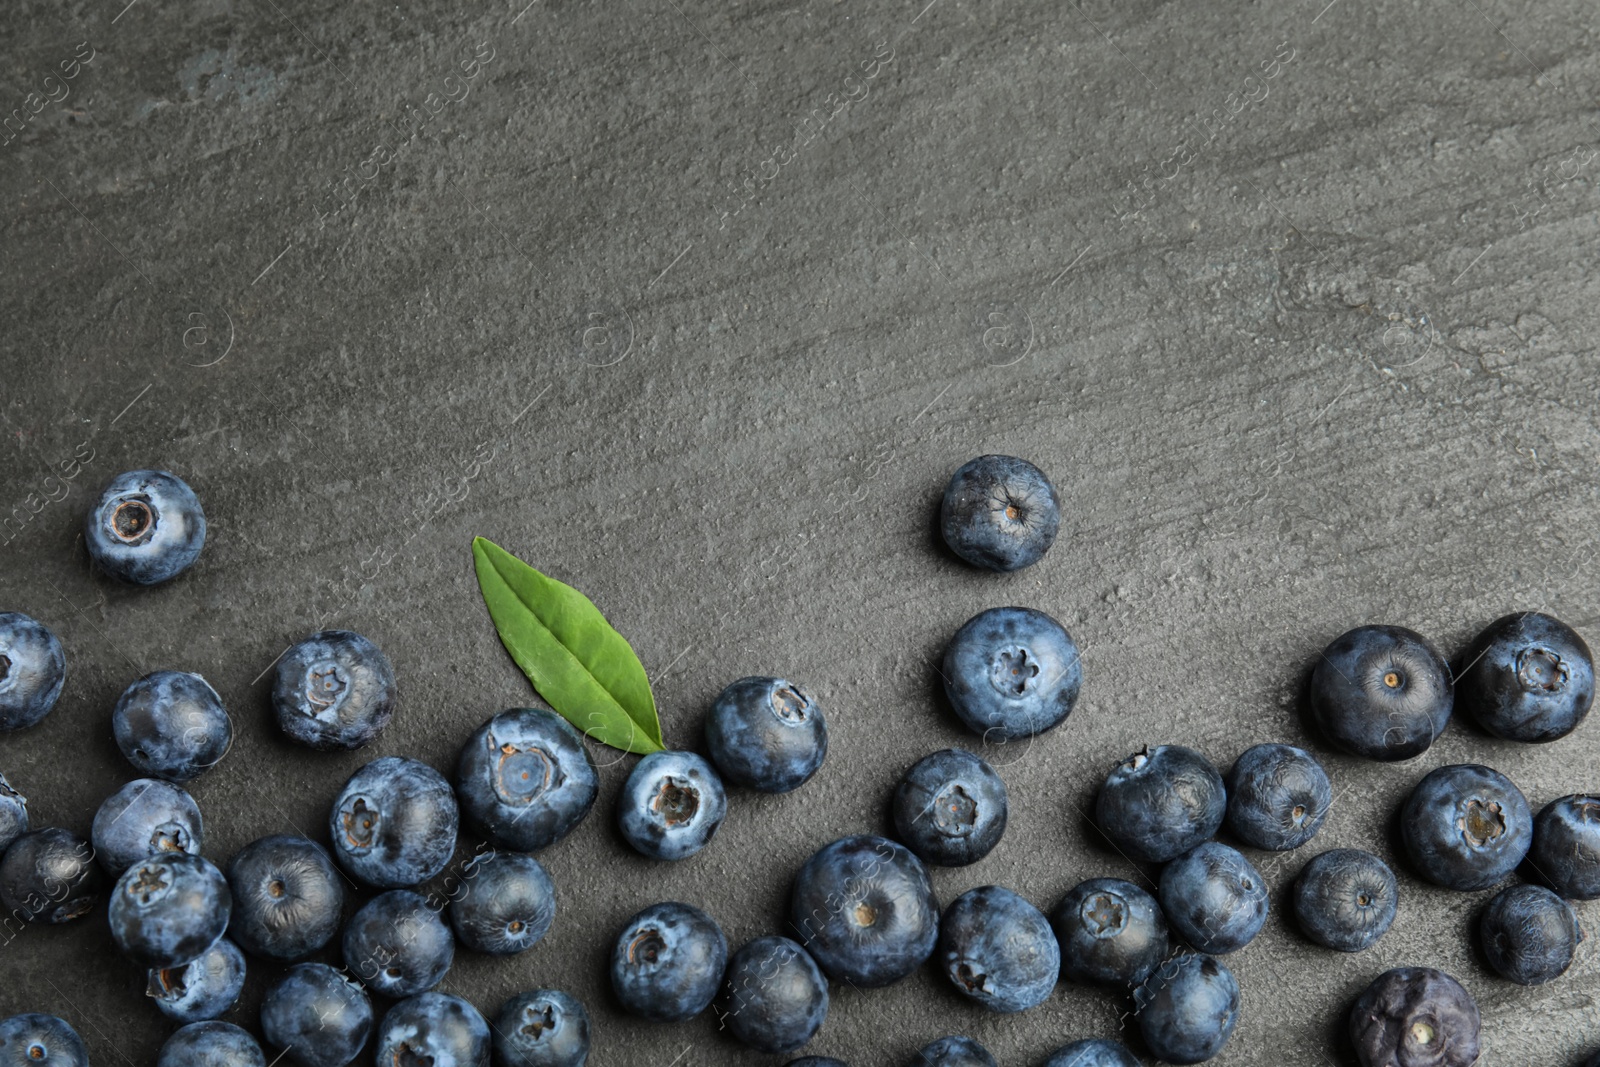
(211,1044)
(201,989)
(1415,1016)
(1346,899)
(146,527)
(435,1029)
(866,910)
(766,734)
(50,876)
(318,1016)
(542,1028)
(32,670)
(1109,931)
(398,945)
(13,814)
(1012,673)
(526,779)
(1000,513)
(333,690)
(1187,1009)
(1278,797)
(394,823)
(287,897)
(667,962)
(167,910)
(1214,898)
(171,725)
(145,818)
(506,904)
(1161,802)
(954,1052)
(671,805)
(773,997)
(998,950)
(1092,1053)
(35,1040)
(1382,692)
(1527,677)
(950,808)
(1466,827)
(1529,934)
(1566,846)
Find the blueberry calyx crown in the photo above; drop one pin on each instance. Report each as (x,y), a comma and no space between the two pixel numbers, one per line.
(1013,671)
(1482,822)
(522,772)
(955,811)
(972,979)
(1540,670)
(133,520)
(169,837)
(1104,915)
(5,666)
(150,886)
(168,983)
(537,1018)
(325,688)
(790,704)
(647,948)
(675,802)
(360,819)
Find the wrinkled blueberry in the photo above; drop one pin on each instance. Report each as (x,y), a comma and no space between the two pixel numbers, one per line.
(542,1028)
(32,671)
(1346,899)
(1529,934)
(1527,677)
(1011,673)
(1092,1053)
(1415,1016)
(287,897)
(506,904)
(13,814)
(50,876)
(201,989)
(864,907)
(668,961)
(998,950)
(526,779)
(145,818)
(172,725)
(394,823)
(1566,846)
(1382,692)
(398,945)
(671,805)
(773,997)
(211,1044)
(1187,1009)
(1278,797)
(767,734)
(953,1052)
(333,690)
(1000,513)
(37,1040)
(436,1030)
(1214,898)
(1109,931)
(950,808)
(319,1017)
(146,527)
(1466,827)
(1161,802)
(167,910)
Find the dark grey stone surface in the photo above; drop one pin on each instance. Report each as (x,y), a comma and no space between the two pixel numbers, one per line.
(696,307)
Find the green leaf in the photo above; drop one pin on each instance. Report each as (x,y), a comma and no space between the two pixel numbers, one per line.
(583,668)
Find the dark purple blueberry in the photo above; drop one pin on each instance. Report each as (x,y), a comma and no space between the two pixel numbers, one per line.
(167,910)
(1529,934)
(201,989)
(433,1030)
(542,1028)
(766,734)
(1011,673)
(288,898)
(37,1040)
(1382,692)
(864,907)
(394,823)
(1527,677)
(1000,513)
(317,1015)
(333,690)
(1566,846)
(1214,898)
(50,876)
(525,779)
(998,950)
(1466,827)
(145,818)
(667,962)
(506,904)
(1346,899)
(1187,1009)
(1417,1017)
(32,670)
(1278,797)
(1110,931)
(1161,802)
(172,725)
(773,997)
(950,808)
(397,945)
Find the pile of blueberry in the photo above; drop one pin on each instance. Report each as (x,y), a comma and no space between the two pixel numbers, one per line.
(862,909)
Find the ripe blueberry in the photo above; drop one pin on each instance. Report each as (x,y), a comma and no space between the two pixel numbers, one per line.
(950,808)
(434,1029)
(1012,673)
(954,1052)
(1214,898)
(1278,797)
(50,876)
(773,997)
(506,904)
(167,910)
(1346,899)
(1566,846)
(32,670)
(542,1028)
(1527,677)
(319,1017)
(398,945)
(287,897)
(671,805)
(998,949)
(1415,1016)
(146,527)
(1161,802)
(1187,1009)
(668,961)
(1529,934)
(334,690)
(201,989)
(526,779)
(1000,513)
(866,910)
(1382,692)
(13,814)
(1092,1053)
(145,818)
(171,725)
(1466,827)
(766,734)
(211,1044)
(1110,931)
(394,823)
(36,1040)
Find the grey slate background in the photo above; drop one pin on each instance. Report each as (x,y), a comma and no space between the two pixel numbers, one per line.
(696,306)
